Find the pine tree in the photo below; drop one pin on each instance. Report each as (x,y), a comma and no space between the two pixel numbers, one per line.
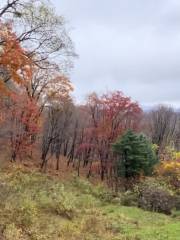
(135,155)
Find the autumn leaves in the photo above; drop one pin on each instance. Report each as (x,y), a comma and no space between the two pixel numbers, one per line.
(29,78)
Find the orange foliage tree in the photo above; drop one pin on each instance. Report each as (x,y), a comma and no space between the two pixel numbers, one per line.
(29,80)
(19,110)
(15,66)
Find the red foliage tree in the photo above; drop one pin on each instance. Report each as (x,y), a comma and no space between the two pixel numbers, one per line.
(19,110)
(23,118)
(110,116)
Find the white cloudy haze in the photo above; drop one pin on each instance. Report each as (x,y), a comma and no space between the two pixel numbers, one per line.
(127,45)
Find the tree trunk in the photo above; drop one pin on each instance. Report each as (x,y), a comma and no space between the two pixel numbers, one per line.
(57,163)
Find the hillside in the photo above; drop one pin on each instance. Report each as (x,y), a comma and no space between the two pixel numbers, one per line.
(40,207)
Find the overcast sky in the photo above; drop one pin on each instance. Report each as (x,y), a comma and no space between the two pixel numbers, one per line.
(127,45)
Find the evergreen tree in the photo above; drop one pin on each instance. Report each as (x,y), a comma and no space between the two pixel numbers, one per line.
(135,155)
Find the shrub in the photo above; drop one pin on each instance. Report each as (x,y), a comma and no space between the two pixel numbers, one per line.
(154,197)
(99,191)
(64,208)
(12,232)
(25,213)
(82,185)
(129,198)
(171,171)
(176,214)
(57,200)
(5,192)
(177,202)
(63,203)
(87,201)
(102,193)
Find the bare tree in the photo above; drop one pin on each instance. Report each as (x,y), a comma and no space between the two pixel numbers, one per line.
(163,123)
(42,32)
(57,133)
(50,133)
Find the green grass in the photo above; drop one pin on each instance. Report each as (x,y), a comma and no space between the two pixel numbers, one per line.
(39,207)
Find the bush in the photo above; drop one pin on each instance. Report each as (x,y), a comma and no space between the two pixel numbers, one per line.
(154,197)
(64,208)
(63,203)
(87,201)
(12,232)
(129,198)
(82,185)
(100,192)
(177,203)
(170,170)
(176,214)
(25,214)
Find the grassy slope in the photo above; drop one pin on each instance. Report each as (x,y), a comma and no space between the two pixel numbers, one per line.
(37,206)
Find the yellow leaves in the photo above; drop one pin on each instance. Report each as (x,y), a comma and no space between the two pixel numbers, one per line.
(169,168)
(176,155)
(59,88)
(172,166)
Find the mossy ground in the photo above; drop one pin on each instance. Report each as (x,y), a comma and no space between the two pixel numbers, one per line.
(41,207)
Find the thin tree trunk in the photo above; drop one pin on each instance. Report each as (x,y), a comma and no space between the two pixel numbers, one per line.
(57,163)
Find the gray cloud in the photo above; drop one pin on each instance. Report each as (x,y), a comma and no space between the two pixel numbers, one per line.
(128,45)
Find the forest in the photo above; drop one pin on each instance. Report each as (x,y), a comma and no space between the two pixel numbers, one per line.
(107,156)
